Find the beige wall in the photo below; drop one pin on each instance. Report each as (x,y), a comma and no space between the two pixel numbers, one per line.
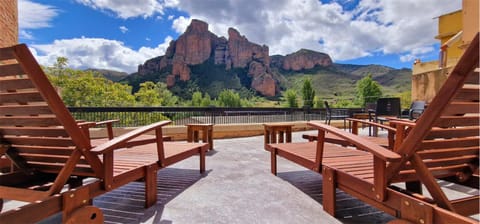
(8,23)
(470,20)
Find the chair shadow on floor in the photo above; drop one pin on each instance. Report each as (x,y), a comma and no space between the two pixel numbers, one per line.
(126,204)
(350,209)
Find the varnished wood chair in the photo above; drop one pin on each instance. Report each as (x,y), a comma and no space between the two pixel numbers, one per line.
(443,144)
(52,152)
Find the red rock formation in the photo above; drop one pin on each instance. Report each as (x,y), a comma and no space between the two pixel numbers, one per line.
(305,59)
(242,51)
(195,45)
(265,84)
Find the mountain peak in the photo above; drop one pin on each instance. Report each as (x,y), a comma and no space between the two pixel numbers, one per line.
(198,46)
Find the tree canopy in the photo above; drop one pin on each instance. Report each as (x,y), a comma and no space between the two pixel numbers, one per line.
(368,90)
(308,93)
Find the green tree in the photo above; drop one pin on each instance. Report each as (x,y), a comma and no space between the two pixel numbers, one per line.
(148,95)
(229,98)
(86,88)
(166,96)
(151,94)
(196,99)
(308,93)
(405,98)
(290,98)
(206,101)
(317,102)
(368,90)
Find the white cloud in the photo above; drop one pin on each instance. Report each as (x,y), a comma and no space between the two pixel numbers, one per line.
(386,26)
(126,9)
(99,53)
(123,29)
(26,35)
(33,15)
(416,53)
(180,24)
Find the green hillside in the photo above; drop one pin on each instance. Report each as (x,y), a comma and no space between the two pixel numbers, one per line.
(338,81)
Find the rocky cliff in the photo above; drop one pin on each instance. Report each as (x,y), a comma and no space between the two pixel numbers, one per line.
(302,59)
(198,45)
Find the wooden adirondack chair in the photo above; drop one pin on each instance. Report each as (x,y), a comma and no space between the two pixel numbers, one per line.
(442,144)
(53,153)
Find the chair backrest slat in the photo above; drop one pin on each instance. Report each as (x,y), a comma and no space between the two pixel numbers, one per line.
(468,94)
(473,78)
(21,98)
(456,108)
(457,121)
(449,152)
(10,69)
(452,132)
(39,121)
(34,131)
(450,143)
(9,84)
(25,110)
(40,141)
(33,117)
(50,150)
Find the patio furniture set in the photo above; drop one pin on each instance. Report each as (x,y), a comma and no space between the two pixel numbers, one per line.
(53,154)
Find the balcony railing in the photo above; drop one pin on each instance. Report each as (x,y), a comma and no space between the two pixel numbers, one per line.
(138,116)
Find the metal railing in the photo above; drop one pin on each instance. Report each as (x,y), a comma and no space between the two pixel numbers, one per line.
(139,116)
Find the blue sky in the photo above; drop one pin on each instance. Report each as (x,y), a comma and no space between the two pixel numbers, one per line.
(121,34)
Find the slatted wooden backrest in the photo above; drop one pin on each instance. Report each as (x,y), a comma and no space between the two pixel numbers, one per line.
(35,126)
(445,140)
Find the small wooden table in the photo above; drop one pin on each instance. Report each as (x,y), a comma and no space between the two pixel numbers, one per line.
(271,131)
(207,133)
(361,116)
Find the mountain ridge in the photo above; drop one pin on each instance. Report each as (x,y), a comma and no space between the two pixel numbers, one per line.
(200,60)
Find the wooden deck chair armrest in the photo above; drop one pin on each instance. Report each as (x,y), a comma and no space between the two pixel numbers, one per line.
(402,122)
(361,143)
(86,124)
(107,122)
(122,140)
(372,124)
(109,125)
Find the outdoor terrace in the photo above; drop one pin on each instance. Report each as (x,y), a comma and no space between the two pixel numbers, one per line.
(237,188)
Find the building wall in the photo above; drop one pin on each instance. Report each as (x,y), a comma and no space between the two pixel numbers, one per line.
(427,77)
(449,25)
(8,23)
(470,20)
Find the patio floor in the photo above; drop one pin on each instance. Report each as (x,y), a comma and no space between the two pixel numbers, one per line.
(237,188)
